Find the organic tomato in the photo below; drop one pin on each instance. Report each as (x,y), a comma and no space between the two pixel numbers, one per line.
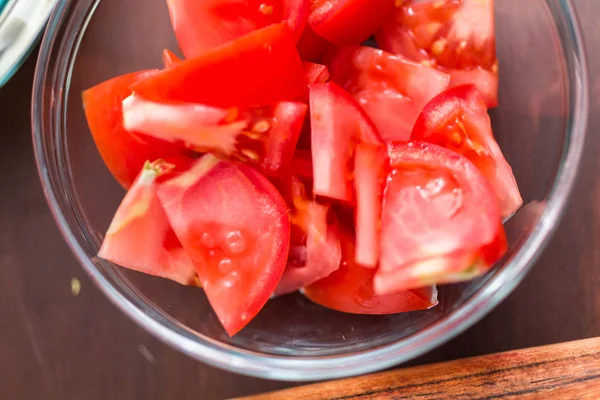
(201,25)
(456,36)
(316,73)
(321,254)
(262,67)
(337,123)
(391,89)
(344,22)
(140,237)
(263,136)
(235,227)
(170,58)
(440,220)
(350,290)
(311,46)
(458,120)
(370,164)
(124,153)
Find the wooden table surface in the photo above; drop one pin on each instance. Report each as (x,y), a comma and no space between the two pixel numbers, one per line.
(54,345)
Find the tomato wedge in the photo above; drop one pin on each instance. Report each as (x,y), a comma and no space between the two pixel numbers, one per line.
(170,58)
(322,248)
(316,73)
(201,25)
(350,289)
(263,136)
(391,89)
(124,153)
(262,67)
(140,237)
(458,120)
(370,165)
(440,220)
(344,22)
(235,227)
(456,36)
(337,123)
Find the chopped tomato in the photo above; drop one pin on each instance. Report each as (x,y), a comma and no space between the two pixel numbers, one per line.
(456,36)
(124,153)
(234,226)
(337,122)
(350,289)
(322,253)
(344,22)
(391,89)
(369,175)
(458,120)
(203,25)
(263,136)
(316,73)
(440,220)
(140,237)
(170,58)
(262,67)
(311,46)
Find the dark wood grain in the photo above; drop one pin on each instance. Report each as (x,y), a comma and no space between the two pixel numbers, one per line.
(57,346)
(571,369)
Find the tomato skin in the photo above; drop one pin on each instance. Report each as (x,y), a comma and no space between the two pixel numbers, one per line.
(261,136)
(391,89)
(344,22)
(457,119)
(234,225)
(262,67)
(124,153)
(439,218)
(140,221)
(455,36)
(337,123)
(350,289)
(203,25)
(170,58)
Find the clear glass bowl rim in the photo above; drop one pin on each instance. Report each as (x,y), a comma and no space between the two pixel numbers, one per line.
(320,368)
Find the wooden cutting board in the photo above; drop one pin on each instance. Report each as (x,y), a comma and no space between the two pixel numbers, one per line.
(568,370)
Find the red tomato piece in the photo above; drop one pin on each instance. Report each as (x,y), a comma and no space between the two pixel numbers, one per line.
(456,36)
(337,123)
(440,220)
(458,120)
(322,251)
(124,153)
(201,25)
(140,237)
(344,22)
(234,225)
(350,289)
(316,73)
(262,67)
(170,58)
(391,89)
(263,136)
(302,164)
(311,46)
(370,164)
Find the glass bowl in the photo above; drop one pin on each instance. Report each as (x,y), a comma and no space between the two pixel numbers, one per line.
(21,23)
(540,126)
